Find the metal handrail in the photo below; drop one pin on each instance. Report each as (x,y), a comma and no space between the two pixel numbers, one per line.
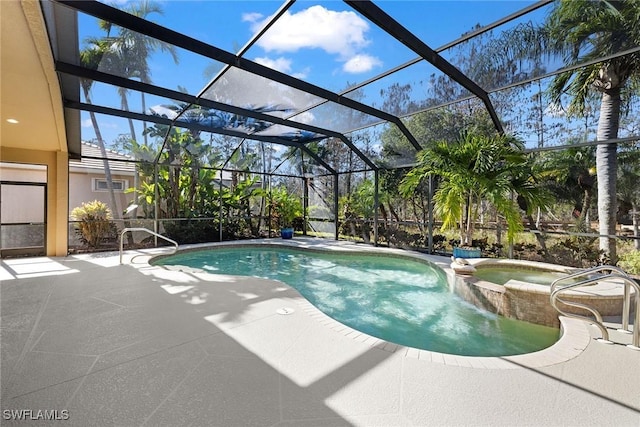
(589,271)
(619,274)
(596,269)
(148,231)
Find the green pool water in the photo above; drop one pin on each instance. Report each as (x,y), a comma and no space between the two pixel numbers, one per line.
(399,300)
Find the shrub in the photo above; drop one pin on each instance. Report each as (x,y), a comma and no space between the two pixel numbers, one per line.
(194,231)
(630,262)
(93,222)
(285,208)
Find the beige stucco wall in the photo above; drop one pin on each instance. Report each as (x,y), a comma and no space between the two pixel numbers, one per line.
(57,164)
(81,190)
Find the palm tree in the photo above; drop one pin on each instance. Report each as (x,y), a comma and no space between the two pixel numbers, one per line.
(569,175)
(588,30)
(91,57)
(129,51)
(472,169)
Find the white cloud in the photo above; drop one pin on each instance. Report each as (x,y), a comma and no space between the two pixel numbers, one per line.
(302,74)
(305,118)
(339,33)
(87,123)
(283,65)
(280,64)
(361,63)
(252,17)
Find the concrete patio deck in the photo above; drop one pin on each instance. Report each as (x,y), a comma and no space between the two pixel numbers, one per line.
(102,344)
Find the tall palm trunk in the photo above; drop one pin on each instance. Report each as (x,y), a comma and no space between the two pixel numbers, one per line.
(636,225)
(125,107)
(607,168)
(103,152)
(583,219)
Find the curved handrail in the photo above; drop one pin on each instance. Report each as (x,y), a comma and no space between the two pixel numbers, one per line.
(148,231)
(596,269)
(619,274)
(554,298)
(589,271)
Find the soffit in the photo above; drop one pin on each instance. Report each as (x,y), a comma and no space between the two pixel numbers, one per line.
(29,90)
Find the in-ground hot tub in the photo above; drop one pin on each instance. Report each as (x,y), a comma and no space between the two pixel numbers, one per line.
(520,290)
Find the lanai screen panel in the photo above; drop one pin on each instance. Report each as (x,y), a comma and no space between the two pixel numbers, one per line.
(128,100)
(410,89)
(255,156)
(528,112)
(459,17)
(289,133)
(385,145)
(321,206)
(510,53)
(296,161)
(517,52)
(126,53)
(290,160)
(337,117)
(246,90)
(141,148)
(338,155)
(227,15)
(192,147)
(442,123)
(328,44)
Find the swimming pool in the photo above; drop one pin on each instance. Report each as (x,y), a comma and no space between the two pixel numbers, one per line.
(397,299)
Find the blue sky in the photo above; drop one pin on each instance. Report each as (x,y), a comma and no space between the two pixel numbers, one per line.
(325,43)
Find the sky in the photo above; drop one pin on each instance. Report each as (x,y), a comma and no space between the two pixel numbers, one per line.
(322,42)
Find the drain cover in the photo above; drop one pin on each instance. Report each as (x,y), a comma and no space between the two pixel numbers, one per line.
(285,310)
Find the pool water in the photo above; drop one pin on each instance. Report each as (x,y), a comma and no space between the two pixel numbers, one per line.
(399,300)
(501,275)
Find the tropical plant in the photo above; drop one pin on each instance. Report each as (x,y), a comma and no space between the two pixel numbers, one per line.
(127,52)
(587,31)
(91,57)
(630,261)
(628,189)
(357,210)
(94,222)
(125,55)
(284,206)
(474,168)
(569,175)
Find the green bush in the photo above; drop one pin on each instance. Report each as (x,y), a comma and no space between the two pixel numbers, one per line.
(630,262)
(286,208)
(193,231)
(94,222)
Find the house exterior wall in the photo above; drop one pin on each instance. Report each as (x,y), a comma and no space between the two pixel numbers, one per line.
(57,174)
(66,189)
(81,189)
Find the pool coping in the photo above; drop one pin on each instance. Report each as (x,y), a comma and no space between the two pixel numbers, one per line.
(574,333)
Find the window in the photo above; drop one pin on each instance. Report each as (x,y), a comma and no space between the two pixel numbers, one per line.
(118,184)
